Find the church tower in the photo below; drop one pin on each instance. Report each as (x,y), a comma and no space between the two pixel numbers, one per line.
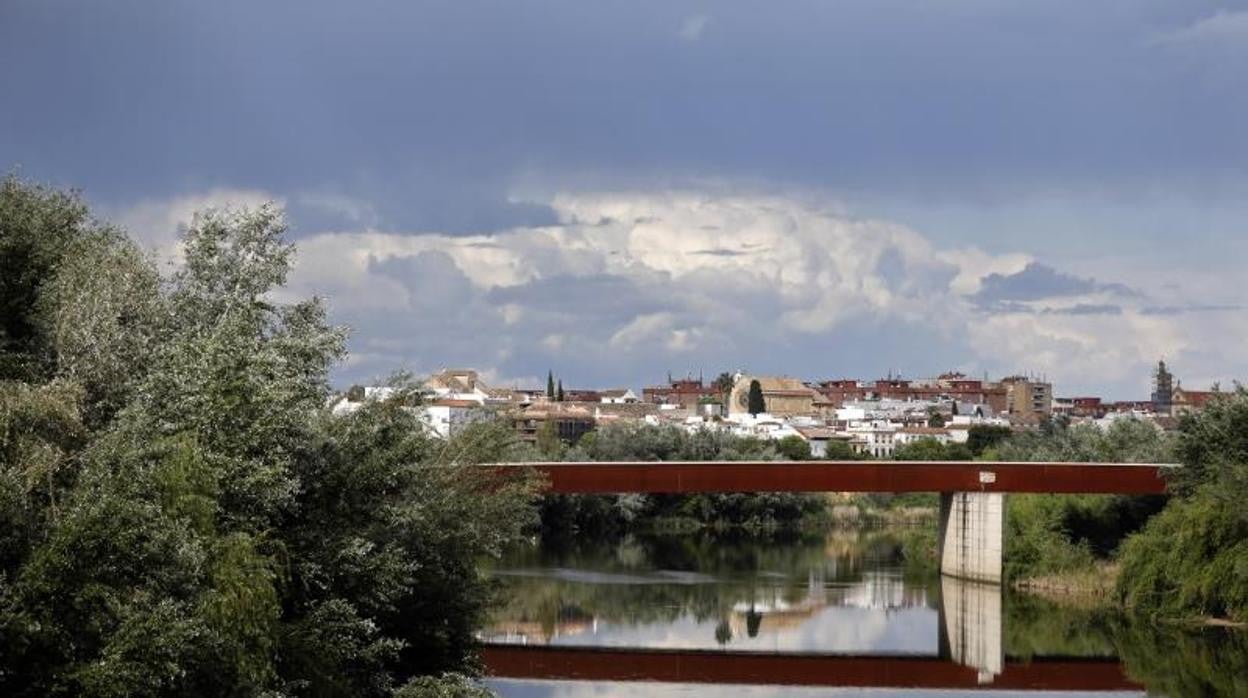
(1163,389)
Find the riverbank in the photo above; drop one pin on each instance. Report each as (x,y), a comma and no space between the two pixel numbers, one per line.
(1082,588)
(1096,587)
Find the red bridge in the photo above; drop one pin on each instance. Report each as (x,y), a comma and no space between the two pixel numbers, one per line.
(677,477)
(725,667)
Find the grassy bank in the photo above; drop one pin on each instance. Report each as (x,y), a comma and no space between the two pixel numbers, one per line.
(1088,587)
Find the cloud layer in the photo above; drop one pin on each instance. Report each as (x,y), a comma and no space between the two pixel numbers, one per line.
(626,286)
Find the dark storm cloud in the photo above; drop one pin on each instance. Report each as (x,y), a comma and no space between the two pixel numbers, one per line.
(433,112)
(1037,282)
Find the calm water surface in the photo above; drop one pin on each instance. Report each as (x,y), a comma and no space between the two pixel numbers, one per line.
(846,595)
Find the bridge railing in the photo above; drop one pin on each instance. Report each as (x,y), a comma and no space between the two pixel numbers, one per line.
(676,477)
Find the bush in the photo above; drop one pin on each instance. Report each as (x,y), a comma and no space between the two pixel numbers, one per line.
(1191,560)
(1037,540)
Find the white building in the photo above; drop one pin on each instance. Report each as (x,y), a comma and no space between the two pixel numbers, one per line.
(819,438)
(624,396)
(876,439)
(355,398)
(447,418)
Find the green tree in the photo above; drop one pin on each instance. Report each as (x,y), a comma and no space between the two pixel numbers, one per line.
(559,391)
(549,445)
(550,385)
(191,520)
(37,228)
(928,448)
(793,448)
(723,384)
(755,402)
(935,419)
(981,437)
(839,449)
(1189,561)
(1057,533)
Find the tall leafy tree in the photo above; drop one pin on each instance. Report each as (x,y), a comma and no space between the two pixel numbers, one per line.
(723,384)
(179,514)
(37,228)
(755,402)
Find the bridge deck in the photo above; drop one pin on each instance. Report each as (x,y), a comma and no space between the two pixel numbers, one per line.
(729,667)
(850,476)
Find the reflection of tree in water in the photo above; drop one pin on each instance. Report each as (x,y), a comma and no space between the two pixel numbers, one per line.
(1168,659)
(648,579)
(723,632)
(1036,627)
(753,620)
(1178,661)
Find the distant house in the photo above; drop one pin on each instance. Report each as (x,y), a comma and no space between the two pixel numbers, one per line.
(686,393)
(1189,401)
(579,395)
(459,384)
(570,422)
(820,437)
(447,417)
(1028,401)
(622,396)
(875,439)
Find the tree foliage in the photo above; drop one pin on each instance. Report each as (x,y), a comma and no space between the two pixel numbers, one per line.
(179,514)
(981,437)
(755,403)
(1192,559)
(793,448)
(1125,441)
(562,515)
(1048,534)
(929,448)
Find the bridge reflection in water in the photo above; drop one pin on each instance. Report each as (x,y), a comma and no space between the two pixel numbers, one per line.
(970,656)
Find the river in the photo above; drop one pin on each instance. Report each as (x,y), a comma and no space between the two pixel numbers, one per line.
(841,613)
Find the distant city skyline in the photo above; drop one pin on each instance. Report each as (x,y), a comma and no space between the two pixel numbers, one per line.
(614,190)
(707,380)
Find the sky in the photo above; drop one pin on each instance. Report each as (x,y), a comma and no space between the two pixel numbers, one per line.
(616,190)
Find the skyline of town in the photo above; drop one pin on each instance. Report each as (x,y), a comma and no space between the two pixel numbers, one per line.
(945,417)
(707,377)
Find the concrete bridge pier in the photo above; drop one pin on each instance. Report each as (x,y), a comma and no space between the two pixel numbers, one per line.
(971,536)
(971,626)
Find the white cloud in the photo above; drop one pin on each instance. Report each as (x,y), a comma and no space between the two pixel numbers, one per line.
(692,27)
(974,265)
(1223,28)
(627,285)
